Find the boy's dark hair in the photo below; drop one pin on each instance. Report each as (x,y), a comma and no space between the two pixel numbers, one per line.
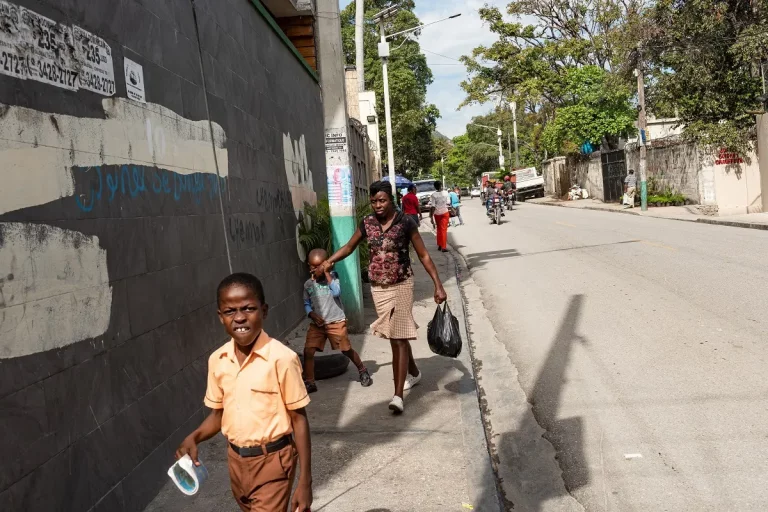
(412,187)
(382,186)
(631,171)
(438,185)
(244,279)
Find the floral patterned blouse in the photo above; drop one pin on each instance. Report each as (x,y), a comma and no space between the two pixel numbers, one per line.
(390,261)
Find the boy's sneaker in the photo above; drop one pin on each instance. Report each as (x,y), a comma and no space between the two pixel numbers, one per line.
(396,405)
(411,381)
(365,379)
(311,386)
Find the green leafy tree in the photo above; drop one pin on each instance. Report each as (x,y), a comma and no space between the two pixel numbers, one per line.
(535,62)
(596,106)
(701,59)
(413,119)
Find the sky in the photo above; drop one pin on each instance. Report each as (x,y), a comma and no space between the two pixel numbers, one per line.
(451,39)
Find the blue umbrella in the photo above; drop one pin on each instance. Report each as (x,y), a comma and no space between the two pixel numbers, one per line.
(400,181)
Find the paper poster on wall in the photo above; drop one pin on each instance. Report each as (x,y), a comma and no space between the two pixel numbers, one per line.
(48,56)
(12,62)
(94,54)
(339,186)
(134,81)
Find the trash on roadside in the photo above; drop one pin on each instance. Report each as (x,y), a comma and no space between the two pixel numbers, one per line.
(629,456)
(468,506)
(443,333)
(188,477)
(576,192)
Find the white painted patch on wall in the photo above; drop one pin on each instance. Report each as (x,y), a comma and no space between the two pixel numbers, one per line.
(38,149)
(300,182)
(54,288)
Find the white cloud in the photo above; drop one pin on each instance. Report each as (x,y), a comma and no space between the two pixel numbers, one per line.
(452,38)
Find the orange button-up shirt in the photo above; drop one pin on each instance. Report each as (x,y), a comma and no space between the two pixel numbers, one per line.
(256,396)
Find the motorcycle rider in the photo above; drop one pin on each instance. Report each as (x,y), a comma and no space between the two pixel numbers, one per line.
(494,193)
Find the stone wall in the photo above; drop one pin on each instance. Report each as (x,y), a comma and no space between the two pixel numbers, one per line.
(673,166)
(118,217)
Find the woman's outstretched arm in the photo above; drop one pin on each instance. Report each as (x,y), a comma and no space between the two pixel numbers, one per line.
(429,265)
(342,253)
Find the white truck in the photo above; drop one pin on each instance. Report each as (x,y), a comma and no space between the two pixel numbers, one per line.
(424,189)
(528,183)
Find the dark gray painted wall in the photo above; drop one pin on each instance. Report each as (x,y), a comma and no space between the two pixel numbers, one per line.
(95,423)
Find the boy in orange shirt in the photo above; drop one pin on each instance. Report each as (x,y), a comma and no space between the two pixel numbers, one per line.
(257,397)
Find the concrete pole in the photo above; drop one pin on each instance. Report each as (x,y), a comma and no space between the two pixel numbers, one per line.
(514,127)
(341,190)
(387,109)
(501,151)
(359,43)
(641,124)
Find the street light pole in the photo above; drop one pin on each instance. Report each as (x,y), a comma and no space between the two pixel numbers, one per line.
(359,42)
(514,128)
(384,56)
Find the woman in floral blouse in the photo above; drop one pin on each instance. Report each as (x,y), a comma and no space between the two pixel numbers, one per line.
(389,233)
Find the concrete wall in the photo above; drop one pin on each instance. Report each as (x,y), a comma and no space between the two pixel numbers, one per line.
(737,183)
(674,166)
(762,157)
(587,173)
(113,238)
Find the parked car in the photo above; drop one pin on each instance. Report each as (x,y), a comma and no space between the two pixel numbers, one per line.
(475,192)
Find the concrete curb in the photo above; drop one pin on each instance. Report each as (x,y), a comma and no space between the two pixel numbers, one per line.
(714,222)
(507,415)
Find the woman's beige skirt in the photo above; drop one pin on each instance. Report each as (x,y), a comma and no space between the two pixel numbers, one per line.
(394,305)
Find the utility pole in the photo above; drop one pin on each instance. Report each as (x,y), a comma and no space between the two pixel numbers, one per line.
(514,128)
(641,125)
(509,150)
(359,43)
(442,169)
(501,151)
(341,195)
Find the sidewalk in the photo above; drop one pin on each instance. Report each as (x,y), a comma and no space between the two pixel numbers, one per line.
(432,458)
(752,220)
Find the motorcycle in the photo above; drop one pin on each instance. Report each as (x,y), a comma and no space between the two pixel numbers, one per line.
(511,198)
(496,210)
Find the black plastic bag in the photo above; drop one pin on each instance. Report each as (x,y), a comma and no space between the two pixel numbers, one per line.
(443,333)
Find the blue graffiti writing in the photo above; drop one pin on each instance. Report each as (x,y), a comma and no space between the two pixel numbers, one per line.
(108,182)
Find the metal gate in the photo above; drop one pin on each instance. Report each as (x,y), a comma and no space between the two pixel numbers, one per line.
(614,171)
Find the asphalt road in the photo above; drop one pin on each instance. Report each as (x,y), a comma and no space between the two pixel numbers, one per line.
(641,345)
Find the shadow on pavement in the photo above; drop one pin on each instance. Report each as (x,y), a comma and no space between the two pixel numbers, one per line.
(536,484)
(479,259)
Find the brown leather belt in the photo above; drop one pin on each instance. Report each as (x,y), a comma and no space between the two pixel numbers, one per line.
(264,449)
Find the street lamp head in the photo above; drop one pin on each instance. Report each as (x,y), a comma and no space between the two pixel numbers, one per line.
(454,16)
(386,13)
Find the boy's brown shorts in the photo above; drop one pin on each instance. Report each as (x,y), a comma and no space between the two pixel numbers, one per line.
(336,333)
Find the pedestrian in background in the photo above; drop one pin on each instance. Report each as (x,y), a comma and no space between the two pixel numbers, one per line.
(630,186)
(456,205)
(390,234)
(439,215)
(411,205)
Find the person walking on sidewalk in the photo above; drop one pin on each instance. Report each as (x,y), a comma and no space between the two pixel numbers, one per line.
(257,400)
(389,234)
(630,187)
(456,205)
(440,215)
(322,303)
(411,205)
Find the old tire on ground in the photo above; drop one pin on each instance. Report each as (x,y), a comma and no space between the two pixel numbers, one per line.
(329,365)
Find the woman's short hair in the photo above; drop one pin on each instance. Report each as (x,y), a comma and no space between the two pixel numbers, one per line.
(381,186)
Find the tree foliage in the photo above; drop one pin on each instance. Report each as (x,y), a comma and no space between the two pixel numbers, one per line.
(539,63)
(701,60)
(413,119)
(596,106)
